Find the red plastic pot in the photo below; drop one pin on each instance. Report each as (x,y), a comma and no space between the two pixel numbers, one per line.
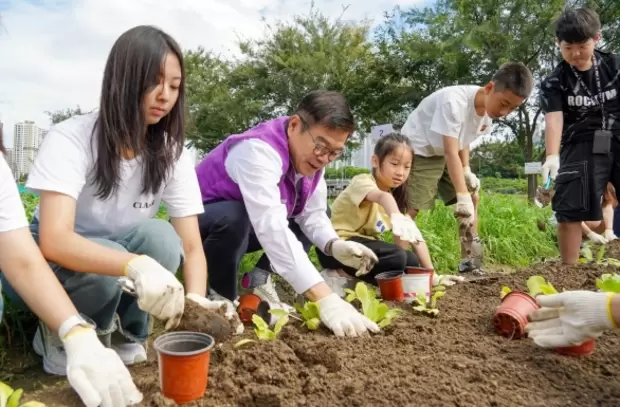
(510,317)
(585,349)
(248,306)
(391,286)
(183,359)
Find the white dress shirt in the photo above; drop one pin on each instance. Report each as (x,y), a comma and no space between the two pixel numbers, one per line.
(257,169)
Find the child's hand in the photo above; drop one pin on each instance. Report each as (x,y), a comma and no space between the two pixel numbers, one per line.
(405,228)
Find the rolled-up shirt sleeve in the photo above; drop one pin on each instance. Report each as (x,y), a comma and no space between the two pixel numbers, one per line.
(314,222)
(257,169)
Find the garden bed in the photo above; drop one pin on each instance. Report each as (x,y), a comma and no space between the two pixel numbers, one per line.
(455,359)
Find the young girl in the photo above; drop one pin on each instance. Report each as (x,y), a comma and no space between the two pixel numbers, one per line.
(374,203)
(101,178)
(602,231)
(96,373)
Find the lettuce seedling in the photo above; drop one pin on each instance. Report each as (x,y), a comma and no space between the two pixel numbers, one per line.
(310,314)
(262,331)
(373,308)
(536,285)
(10,397)
(609,283)
(428,307)
(587,257)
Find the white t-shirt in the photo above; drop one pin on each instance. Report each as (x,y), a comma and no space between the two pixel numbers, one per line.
(64,162)
(12,214)
(447,112)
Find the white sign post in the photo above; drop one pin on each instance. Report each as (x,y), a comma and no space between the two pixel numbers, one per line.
(381,130)
(533,168)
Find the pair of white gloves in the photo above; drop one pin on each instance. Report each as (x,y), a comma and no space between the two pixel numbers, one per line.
(605,238)
(464,209)
(570,318)
(97,373)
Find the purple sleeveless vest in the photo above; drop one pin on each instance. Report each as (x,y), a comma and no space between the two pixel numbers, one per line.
(216,185)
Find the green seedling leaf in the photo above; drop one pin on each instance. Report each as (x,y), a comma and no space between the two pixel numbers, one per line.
(435,297)
(600,255)
(13,400)
(351,296)
(389,316)
(609,283)
(613,262)
(505,291)
(280,324)
(439,288)
(313,324)
(538,285)
(260,323)
(5,393)
(278,312)
(586,253)
(365,296)
(243,342)
(33,404)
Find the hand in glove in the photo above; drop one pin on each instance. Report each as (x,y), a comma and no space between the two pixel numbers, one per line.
(342,318)
(97,373)
(550,167)
(596,238)
(464,210)
(609,235)
(471,180)
(354,255)
(231,312)
(158,290)
(447,279)
(570,318)
(405,228)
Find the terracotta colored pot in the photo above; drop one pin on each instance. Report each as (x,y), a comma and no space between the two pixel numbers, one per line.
(183,359)
(418,279)
(391,285)
(248,306)
(510,317)
(585,349)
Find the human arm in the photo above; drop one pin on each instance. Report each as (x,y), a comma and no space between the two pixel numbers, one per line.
(592,235)
(471,180)
(551,103)
(573,317)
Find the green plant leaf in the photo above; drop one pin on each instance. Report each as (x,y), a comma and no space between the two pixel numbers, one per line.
(420,308)
(538,285)
(313,324)
(435,297)
(364,296)
(505,291)
(5,393)
(280,324)
(33,404)
(600,254)
(313,309)
(278,312)
(613,262)
(609,283)
(243,342)
(260,323)
(586,252)
(265,335)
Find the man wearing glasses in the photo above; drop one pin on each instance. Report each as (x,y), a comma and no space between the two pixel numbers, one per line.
(264,189)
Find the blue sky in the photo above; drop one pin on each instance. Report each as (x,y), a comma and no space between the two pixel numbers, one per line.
(53,51)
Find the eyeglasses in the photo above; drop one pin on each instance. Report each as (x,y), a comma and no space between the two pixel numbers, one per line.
(320,148)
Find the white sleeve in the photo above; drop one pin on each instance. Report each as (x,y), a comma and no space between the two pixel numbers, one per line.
(313,221)
(257,168)
(62,162)
(182,193)
(448,118)
(12,214)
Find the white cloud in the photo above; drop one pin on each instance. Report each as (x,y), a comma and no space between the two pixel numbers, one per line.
(53,51)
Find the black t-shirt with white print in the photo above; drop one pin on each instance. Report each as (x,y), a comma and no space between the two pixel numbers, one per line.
(562,91)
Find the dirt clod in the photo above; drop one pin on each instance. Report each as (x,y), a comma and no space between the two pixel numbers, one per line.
(197,319)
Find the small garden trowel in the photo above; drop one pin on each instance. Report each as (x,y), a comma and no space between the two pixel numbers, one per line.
(127,286)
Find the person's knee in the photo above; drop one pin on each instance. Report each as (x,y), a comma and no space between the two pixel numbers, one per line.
(399,259)
(100,289)
(157,238)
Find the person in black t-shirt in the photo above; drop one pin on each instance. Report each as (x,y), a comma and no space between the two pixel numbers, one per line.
(582,108)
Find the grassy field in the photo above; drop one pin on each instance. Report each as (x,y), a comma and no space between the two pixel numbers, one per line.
(508,228)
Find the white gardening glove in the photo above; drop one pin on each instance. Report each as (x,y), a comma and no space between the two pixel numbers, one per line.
(550,167)
(609,235)
(464,210)
(97,373)
(158,290)
(569,318)
(342,318)
(231,312)
(447,279)
(405,228)
(471,180)
(354,255)
(596,238)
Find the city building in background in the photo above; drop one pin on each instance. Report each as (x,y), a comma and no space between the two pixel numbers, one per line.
(27,138)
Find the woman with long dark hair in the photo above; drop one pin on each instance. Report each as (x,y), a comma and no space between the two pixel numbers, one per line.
(96,373)
(101,178)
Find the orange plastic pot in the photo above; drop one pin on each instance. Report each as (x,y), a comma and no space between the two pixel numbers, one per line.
(183,359)
(391,285)
(585,349)
(248,306)
(510,317)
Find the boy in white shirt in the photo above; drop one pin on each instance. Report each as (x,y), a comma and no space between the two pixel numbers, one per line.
(441,129)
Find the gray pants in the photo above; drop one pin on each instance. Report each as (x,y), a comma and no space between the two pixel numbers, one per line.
(98,297)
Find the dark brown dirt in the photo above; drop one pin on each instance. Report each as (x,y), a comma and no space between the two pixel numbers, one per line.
(544,196)
(612,250)
(197,319)
(453,360)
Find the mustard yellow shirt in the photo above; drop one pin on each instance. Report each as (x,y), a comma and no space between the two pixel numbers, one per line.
(354,216)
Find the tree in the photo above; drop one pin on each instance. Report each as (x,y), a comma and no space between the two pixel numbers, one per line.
(62,115)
